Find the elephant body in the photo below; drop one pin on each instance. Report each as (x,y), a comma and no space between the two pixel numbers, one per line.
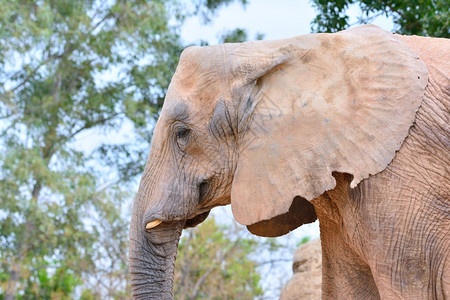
(389,237)
(350,128)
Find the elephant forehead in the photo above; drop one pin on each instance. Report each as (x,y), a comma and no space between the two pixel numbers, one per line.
(190,108)
(176,110)
(199,67)
(196,95)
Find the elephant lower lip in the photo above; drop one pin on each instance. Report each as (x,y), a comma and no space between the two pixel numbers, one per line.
(203,190)
(160,223)
(196,220)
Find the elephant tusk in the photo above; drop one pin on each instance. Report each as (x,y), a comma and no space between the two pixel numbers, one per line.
(153,224)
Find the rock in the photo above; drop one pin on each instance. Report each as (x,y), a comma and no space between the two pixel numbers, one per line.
(307,279)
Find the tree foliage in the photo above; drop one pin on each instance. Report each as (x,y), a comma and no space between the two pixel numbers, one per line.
(217,261)
(237,35)
(71,70)
(418,17)
(207,8)
(213,263)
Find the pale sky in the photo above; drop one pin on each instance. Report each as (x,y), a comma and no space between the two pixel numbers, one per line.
(276,19)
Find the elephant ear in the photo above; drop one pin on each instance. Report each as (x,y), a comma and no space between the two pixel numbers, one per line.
(340,102)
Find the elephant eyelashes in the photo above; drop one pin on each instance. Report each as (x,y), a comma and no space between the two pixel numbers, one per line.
(182,133)
(182,137)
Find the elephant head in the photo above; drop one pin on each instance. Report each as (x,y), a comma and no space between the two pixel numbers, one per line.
(263,125)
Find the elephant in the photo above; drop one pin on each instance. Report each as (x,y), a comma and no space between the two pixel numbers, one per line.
(350,128)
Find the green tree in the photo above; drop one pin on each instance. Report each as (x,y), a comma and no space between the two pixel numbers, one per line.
(237,35)
(207,8)
(213,262)
(70,70)
(419,17)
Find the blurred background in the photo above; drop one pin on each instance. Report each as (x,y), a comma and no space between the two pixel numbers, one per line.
(81,86)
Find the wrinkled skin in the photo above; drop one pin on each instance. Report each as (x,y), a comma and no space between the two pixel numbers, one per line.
(287,131)
(189,171)
(389,237)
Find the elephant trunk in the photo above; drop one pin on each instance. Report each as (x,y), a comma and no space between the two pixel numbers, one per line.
(152,257)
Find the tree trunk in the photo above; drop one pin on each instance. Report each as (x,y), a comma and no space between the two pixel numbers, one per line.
(11,287)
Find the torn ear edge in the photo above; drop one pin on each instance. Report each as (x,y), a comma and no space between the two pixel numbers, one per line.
(301,212)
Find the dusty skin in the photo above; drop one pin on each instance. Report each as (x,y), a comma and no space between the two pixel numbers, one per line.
(351,128)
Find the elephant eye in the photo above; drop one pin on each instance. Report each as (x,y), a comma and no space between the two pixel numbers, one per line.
(182,133)
(182,137)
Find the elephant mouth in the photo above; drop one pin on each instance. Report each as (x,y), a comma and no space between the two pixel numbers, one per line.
(203,192)
(196,220)
(190,222)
